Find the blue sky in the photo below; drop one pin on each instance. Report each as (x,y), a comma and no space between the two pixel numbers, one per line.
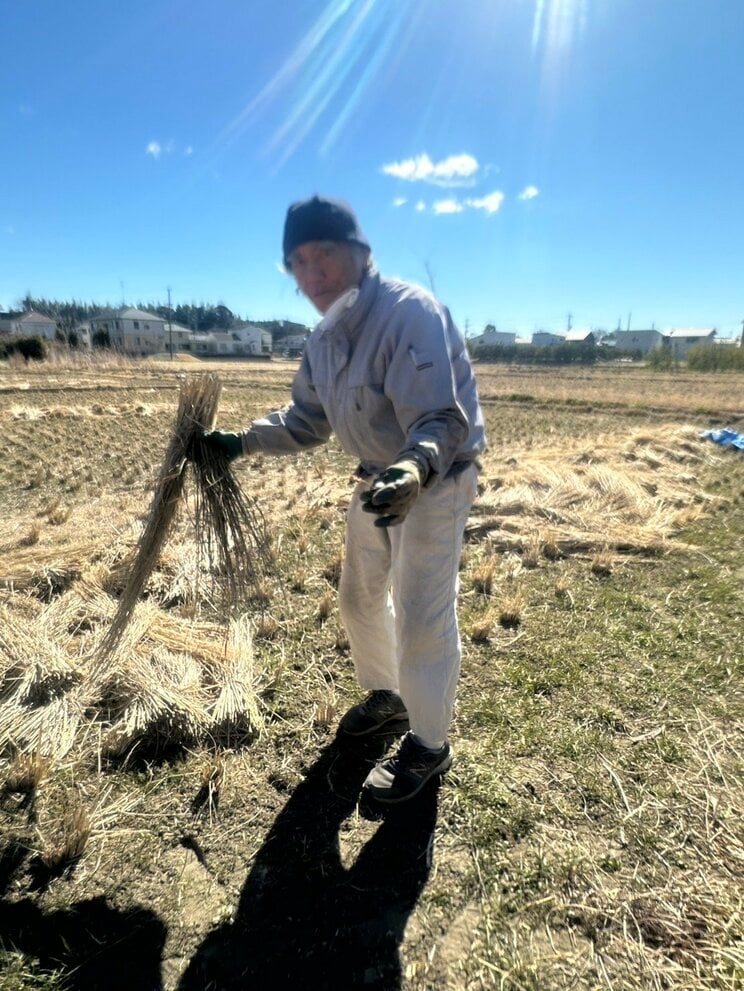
(529,158)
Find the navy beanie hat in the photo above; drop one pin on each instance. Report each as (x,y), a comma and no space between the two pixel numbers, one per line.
(320,219)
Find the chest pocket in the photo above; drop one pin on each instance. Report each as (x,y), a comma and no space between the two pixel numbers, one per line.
(421,359)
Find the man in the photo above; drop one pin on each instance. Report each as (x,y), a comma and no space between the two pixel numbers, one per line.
(387,371)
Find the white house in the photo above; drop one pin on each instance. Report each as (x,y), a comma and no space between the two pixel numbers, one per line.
(580,337)
(223,343)
(132,331)
(547,339)
(638,340)
(201,344)
(82,332)
(30,324)
(293,344)
(180,335)
(491,336)
(251,340)
(680,341)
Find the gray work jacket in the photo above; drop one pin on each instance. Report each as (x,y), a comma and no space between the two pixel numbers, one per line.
(391,378)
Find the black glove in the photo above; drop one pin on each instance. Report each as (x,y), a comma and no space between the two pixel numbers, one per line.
(229,445)
(393,492)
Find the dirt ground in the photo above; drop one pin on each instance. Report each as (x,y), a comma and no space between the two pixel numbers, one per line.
(588,835)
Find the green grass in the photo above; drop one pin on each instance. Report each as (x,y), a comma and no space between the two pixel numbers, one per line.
(18,973)
(588,835)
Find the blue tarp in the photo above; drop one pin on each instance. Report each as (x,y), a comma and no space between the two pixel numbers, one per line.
(725,437)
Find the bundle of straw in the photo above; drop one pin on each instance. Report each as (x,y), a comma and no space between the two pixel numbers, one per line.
(236,706)
(228,528)
(159,693)
(33,667)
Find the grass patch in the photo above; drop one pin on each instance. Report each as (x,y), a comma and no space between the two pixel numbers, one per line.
(588,835)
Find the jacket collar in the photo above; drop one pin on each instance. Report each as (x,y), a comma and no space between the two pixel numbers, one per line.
(355,316)
(347,319)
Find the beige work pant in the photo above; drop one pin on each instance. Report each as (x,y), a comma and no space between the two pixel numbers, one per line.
(397,599)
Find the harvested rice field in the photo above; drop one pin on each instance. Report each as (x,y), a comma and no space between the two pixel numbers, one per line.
(180,816)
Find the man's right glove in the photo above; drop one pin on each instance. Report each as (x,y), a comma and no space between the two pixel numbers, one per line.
(393,492)
(227,444)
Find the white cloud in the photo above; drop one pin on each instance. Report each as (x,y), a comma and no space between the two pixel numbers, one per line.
(189,151)
(153,149)
(448,206)
(421,206)
(455,170)
(399,201)
(529,193)
(489,204)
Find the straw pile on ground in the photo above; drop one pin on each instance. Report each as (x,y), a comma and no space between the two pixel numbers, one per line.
(128,666)
(46,571)
(628,497)
(170,680)
(139,669)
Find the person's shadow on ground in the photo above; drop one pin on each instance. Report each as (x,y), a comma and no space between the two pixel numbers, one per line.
(92,944)
(304,920)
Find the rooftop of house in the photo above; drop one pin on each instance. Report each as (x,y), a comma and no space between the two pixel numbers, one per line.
(643,330)
(128,313)
(245,325)
(31,316)
(690,332)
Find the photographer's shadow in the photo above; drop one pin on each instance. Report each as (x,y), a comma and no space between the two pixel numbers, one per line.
(306,921)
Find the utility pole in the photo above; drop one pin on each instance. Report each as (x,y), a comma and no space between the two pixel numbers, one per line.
(170,326)
(568,321)
(629,316)
(742,333)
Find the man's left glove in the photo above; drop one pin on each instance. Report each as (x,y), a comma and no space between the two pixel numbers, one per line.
(393,492)
(227,444)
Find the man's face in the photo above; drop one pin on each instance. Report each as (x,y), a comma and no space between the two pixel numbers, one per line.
(324,270)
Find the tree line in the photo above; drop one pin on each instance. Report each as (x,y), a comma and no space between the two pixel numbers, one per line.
(700,358)
(554,354)
(198,317)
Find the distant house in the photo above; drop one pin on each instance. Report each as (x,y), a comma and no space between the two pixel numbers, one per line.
(82,333)
(180,335)
(638,340)
(214,344)
(29,324)
(251,340)
(680,341)
(132,331)
(491,336)
(293,344)
(203,344)
(547,339)
(223,343)
(580,337)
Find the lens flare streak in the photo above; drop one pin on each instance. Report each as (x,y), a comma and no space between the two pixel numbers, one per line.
(327,75)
